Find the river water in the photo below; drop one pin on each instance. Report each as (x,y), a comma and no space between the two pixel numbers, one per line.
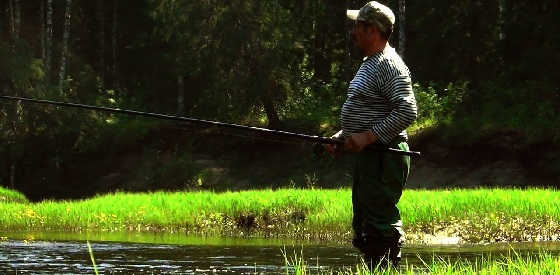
(63,253)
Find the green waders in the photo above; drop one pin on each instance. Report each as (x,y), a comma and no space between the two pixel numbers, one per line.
(378,182)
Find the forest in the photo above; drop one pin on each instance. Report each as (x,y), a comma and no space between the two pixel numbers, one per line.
(485,76)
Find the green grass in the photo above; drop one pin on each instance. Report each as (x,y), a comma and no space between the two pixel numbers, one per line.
(544,263)
(478,215)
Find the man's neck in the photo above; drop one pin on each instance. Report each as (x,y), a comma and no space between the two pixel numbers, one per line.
(376,48)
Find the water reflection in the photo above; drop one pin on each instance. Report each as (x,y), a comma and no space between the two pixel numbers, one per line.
(72,257)
(68,253)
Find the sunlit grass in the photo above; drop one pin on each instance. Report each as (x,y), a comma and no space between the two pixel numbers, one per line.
(485,215)
(544,263)
(478,215)
(266,211)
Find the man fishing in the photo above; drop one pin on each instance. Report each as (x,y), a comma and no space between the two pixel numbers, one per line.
(379,107)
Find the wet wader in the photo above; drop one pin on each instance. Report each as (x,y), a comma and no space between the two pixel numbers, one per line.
(378,181)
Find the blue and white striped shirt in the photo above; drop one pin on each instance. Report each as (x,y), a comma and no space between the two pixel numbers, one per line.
(380,98)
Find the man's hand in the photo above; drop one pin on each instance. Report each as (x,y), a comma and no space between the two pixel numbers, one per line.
(357,142)
(334,149)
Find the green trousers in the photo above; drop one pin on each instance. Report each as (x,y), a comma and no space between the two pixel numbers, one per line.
(378,182)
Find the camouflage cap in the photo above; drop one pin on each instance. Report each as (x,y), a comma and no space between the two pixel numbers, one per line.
(376,13)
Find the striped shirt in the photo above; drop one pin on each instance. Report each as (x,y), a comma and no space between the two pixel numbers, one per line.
(380,98)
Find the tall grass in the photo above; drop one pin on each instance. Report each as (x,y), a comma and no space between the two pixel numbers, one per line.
(485,215)
(204,211)
(543,263)
(479,215)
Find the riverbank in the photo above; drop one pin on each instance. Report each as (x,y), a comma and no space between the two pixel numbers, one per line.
(181,157)
(430,217)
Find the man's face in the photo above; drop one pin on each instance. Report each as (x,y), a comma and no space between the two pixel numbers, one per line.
(363,35)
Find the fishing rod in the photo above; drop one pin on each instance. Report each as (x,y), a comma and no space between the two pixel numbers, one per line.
(317,139)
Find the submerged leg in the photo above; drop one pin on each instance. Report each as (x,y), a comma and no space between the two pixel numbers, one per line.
(379,251)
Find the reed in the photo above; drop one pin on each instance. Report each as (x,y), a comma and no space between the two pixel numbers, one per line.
(474,216)
(92,258)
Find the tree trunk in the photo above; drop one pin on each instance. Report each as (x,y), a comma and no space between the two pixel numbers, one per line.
(11,20)
(473,65)
(501,19)
(350,49)
(12,118)
(43,30)
(180,94)
(268,104)
(13,175)
(65,38)
(14,18)
(402,27)
(17,19)
(501,34)
(14,13)
(101,38)
(48,40)
(271,114)
(114,45)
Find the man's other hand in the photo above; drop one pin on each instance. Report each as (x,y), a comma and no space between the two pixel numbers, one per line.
(357,142)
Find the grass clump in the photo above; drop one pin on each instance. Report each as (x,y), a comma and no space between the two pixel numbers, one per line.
(470,216)
(281,212)
(484,215)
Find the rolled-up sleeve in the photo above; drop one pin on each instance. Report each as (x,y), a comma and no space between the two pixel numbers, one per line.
(398,92)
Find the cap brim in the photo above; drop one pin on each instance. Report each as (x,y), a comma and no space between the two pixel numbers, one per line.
(352,14)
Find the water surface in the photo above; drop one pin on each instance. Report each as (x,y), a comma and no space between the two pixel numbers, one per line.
(29,253)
